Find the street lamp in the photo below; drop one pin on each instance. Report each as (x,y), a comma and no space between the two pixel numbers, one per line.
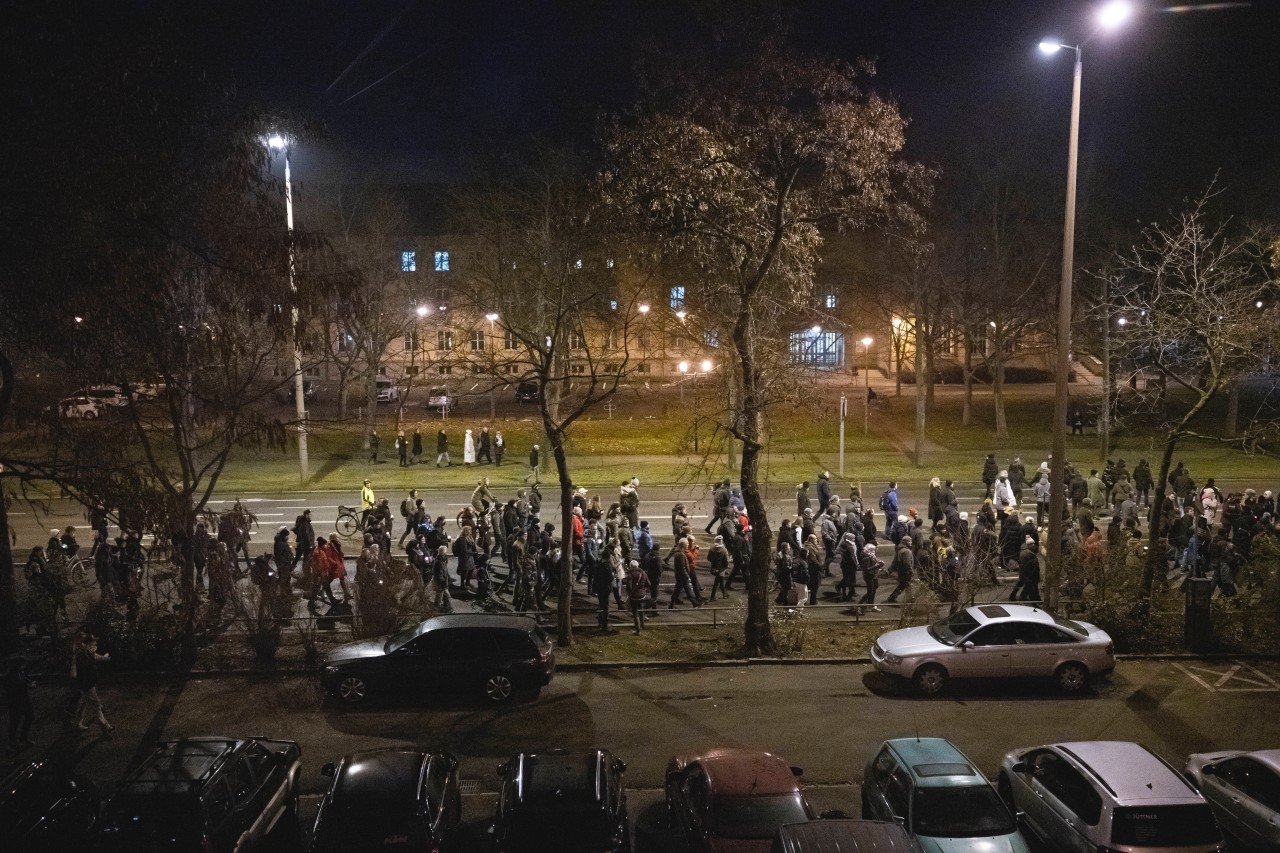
(493,406)
(707,365)
(643,309)
(1110,17)
(276,142)
(866,388)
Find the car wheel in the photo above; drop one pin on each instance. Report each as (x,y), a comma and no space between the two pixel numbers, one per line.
(90,415)
(498,687)
(1005,790)
(352,689)
(930,679)
(1072,677)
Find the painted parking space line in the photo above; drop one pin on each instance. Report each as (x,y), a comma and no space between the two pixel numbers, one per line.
(1230,677)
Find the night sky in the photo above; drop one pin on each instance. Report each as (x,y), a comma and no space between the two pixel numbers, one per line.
(1168,101)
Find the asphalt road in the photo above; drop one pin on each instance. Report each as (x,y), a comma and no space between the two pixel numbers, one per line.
(827,719)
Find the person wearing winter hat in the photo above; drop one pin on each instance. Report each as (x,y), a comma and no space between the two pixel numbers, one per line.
(718,558)
(638,591)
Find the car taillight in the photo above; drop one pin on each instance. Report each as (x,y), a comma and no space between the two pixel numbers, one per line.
(1111,649)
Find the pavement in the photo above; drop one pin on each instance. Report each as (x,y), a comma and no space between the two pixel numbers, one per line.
(827,719)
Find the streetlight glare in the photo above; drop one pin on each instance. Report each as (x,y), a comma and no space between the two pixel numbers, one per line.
(707,365)
(680,315)
(1049,47)
(277,142)
(423,310)
(683,367)
(1114,14)
(491,317)
(643,309)
(816,330)
(866,342)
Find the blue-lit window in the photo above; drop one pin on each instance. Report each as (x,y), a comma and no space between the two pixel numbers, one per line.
(442,261)
(820,349)
(677,298)
(830,301)
(609,263)
(711,338)
(408,262)
(613,305)
(577,265)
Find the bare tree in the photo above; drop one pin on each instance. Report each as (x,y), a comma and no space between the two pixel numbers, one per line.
(736,163)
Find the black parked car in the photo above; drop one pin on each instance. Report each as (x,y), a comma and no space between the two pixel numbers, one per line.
(491,653)
(209,794)
(562,802)
(388,799)
(44,809)
(527,392)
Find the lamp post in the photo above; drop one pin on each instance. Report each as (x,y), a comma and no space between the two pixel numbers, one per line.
(866,388)
(492,405)
(276,142)
(1110,16)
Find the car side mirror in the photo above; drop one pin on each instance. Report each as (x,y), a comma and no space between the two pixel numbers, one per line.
(1019,767)
(620,765)
(797,772)
(1209,770)
(966,645)
(328,769)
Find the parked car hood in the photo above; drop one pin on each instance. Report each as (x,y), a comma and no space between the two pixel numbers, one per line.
(1012,843)
(905,642)
(356,651)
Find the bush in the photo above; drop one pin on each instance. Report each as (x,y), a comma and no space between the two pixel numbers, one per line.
(151,640)
(953,374)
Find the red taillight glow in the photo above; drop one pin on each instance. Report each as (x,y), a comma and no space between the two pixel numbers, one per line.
(1111,649)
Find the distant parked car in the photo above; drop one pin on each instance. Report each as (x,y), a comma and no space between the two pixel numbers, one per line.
(527,392)
(1243,789)
(387,391)
(206,795)
(493,654)
(733,800)
(308,391)
(79,407)
(388,799)
(940,797)
(147,390)
(438,398)
(105,395)
(562,802)
(1106,795)
(42,809)
(996,641)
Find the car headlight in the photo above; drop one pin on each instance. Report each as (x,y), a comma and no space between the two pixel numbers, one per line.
(890,657)
(331,669)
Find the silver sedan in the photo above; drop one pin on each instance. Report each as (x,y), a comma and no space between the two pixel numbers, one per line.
(1243,789)
(996,641)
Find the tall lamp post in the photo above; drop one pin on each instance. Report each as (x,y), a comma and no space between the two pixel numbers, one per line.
(276,142)
(1110,16)
(492,318)
(866,388)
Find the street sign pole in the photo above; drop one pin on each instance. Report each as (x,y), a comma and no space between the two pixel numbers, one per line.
(844,410)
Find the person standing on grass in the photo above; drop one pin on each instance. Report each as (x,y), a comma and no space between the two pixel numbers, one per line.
(417,447)
(499,447)
(468,449)
(402,449)
(486,444)
(442,449)
(534,460)
(85,675)
(374,441)
(1142,482)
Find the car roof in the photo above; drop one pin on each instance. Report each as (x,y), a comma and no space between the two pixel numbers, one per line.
(739,772)
(478,620)
(986,613)
(387,776)
(1130,771)
(936,762)
(560,775)
(1269,757)
(186,763)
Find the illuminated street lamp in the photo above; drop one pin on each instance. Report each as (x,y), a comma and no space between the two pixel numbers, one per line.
(423,310)
(276,142)
(866,387)
(493,406)
(1110,17)
(707,365)
(643,309)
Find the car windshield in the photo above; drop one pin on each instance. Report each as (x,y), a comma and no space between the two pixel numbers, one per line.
(171,818)
(1072,626)
(1164,826)
(953,629)
(398,640)
(756,817)
(960,812)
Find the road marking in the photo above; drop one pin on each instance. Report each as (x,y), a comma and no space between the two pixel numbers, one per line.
(1216,680)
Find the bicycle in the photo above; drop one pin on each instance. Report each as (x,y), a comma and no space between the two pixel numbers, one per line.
(350,521)
(81,572)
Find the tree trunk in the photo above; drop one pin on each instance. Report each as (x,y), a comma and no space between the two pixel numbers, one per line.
(344,391)
(930,358)
(997,389)
(1155,553)
(564,615)
(1231,427)
(8,589)
(966,414)
(758,636)
(917,456)
(1104,417)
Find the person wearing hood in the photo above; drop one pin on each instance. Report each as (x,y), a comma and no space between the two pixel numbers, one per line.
(534,459)
(416,457)
(802,498)
(824,491)
(638,594)
(1028,586)
(718,559)
(1002,493)
(284,559)
(989,469)
(1017,478)
(468,449)
(904,565)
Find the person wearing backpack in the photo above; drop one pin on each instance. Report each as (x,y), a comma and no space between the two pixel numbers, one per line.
(407,508)
(889,505)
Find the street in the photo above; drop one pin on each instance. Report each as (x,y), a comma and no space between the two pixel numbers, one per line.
(825,718)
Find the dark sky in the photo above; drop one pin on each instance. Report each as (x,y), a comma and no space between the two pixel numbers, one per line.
(1168,101)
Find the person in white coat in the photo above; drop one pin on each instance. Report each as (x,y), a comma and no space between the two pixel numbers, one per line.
(1003,497)
(469,449)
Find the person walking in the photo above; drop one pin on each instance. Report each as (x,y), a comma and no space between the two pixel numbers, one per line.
(602,587)
(408,507)
(871,567)
(1043,491)
(718,559)
(442,449)
(499,447)
(889,505)
(305,535)
(989,469)
(17,698)
(802,498)
(417,447)
(85,676)
(815,560)
(904,565)
(534,460)
(679,558)
(824,491)
(368,503)
(402,449)
(374,441)
(468,449)
(638,591)
(1142,482)
(485,449)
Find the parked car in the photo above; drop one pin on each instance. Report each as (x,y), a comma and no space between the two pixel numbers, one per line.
(438,398)
(1106,795)
(729,800)
(1243,789)
(562,802)
(387,391)
(42,809)
(105,395)
(996,641)
(206,794)
(842,836)
(79,407)
(527,392)
(147,390)
(388,799)
(308,391)
(494,654)
(928,787)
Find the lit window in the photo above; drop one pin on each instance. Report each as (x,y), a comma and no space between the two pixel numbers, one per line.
(408,262)
(677,298)
(609,263)
(577,265)
(613,305)
(477,340)
(830,301)
(613,339)
(442,261)
(711,338)
(444,340)
(411,340)
(577,340)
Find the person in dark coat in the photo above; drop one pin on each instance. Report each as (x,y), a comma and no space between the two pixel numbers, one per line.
(284,559)
(602,584)
(417,447)
(305,535)
(1028,586)
(989,471)
(1142,482)
(442,449)
(485,450)
(824,491)
(17,698)
(904,565)
(374,442)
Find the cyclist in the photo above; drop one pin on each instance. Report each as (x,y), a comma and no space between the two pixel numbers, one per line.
(367,503)
(67,543)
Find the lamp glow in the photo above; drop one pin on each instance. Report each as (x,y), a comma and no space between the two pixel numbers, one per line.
(1114,14)
(491,317)
(277,142)
(866,342)
(1049,47)
(683,367)
(643,309)
(423,310)
(707,365)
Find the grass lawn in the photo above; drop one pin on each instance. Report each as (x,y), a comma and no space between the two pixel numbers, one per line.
(704,643)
